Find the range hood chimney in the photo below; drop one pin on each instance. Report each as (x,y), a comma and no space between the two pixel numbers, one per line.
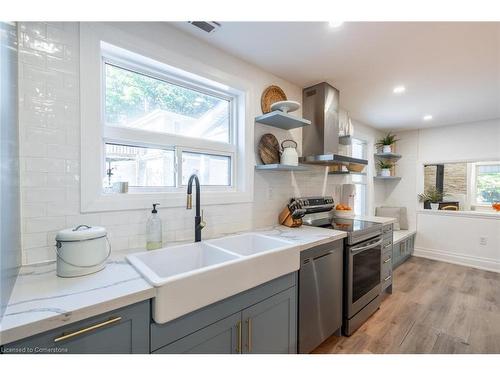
(320,140)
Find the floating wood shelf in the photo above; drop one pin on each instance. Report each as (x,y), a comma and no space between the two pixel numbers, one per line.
(280,167)
(388,155)
(392,178)
(282,120)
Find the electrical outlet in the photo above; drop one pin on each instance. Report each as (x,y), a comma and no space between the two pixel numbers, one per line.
(483,241)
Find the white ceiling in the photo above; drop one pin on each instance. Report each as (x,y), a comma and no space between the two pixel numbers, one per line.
(450,70)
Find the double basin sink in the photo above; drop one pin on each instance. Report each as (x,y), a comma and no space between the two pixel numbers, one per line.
(188,277)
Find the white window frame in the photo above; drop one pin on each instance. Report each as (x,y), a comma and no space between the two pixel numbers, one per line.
(473,184)
(102,44)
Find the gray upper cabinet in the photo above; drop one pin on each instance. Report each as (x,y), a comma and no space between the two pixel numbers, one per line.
(222,337)
(120,331)
(269,326)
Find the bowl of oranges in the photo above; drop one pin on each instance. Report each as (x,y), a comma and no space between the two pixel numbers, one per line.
(343,211)
(496,206)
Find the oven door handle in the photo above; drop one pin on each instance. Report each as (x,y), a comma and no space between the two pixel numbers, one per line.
(356,250)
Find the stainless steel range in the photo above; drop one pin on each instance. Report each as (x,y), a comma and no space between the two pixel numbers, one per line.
(362,259)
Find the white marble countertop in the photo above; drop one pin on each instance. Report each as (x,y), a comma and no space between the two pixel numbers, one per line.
(305,235)
(41,301)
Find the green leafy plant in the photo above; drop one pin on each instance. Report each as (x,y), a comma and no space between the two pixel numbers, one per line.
(388,140)
(432,195)
(382,164)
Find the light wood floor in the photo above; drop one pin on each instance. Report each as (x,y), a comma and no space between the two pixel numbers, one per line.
(436,307)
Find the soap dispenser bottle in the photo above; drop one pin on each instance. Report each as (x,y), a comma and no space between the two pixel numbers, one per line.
(153,230)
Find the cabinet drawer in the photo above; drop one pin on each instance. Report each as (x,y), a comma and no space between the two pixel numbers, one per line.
(120,331)
(387,258)
(386,275)
(386,247)
(387,228)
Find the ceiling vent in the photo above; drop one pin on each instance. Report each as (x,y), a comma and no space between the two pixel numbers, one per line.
(206,26)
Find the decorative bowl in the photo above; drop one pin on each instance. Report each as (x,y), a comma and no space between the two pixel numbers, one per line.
(285,106)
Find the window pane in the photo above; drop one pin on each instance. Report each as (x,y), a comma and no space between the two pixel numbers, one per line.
(358,148)
(488,183)
(138,101)
(139,166)
(360,199)
(211,169)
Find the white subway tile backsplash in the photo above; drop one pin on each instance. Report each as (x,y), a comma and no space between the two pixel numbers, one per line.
(63,208)
(33,240)
(62,151)
(33,149)
(43,194)
(83,219)
(34,179)
(45,224)
(39,254)
(30,210)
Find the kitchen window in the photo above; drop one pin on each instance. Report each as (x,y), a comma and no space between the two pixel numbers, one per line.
(485,183)
(151,117)
(182,128)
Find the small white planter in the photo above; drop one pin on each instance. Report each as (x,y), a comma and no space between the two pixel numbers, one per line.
(385,172)
(387,149)
(434,206)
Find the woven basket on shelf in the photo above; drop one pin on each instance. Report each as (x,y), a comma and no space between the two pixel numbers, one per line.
(271,95)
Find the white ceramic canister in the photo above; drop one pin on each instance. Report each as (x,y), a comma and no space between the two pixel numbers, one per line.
(81,251)
(289,156)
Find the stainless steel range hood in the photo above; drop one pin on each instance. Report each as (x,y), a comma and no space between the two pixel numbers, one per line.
(320,140)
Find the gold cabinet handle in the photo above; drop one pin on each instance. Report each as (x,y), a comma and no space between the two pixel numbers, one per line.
(249,335)
(387,260)
(66,336)
(387,278)
(238,344)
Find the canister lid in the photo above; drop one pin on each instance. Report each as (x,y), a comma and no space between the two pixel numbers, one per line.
(81,232)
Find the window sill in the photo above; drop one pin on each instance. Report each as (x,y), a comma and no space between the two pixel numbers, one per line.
(473,214)
(136,201)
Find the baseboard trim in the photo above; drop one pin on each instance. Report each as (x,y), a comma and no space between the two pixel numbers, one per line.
(460,259)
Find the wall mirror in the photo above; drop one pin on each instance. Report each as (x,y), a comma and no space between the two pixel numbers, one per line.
(466,186)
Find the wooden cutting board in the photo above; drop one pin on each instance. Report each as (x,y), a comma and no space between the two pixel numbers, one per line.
(269,149)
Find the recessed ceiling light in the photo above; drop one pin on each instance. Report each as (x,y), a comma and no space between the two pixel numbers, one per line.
(399,89)
(335,24)
(427,117)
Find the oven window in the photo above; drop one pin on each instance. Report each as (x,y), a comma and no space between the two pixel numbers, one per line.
(366,272)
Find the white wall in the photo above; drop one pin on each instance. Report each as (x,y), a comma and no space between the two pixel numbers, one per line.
(50,144)
(447,237)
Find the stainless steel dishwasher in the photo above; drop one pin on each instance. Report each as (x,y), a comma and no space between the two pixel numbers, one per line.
(320,294)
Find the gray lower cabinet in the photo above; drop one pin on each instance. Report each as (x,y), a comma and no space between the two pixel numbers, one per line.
(120,331)
(260,320)
(402,250)
(269,326)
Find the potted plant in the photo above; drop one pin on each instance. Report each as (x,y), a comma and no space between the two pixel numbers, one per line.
(386,143)
(433,196)
(385,168)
